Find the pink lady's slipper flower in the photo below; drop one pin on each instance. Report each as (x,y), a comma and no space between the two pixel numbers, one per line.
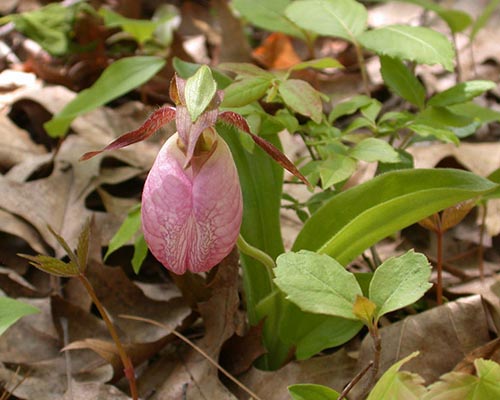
(192,202)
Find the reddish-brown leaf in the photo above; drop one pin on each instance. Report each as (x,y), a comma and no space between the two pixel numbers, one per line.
(156,120)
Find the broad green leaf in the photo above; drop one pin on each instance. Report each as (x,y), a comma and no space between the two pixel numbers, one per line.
(301,97)
(349,107)
(243,92)
(345,19)
(128,229)
(140,29)
(481,21)
(373,149)
(11,310)
(405,163)
(186,69)
(199,92)
(399,282)
(317,283)
(414,43)
(261,181)
(398,385)
(457,20)
(336,169)
(119,78)
(371,110)
(140,253)
(460,93)
(402,81)
(442,134)
(309,391)
(484,115)
(361,216)
(311,333)
(269,15)
(319,63)
(458,385)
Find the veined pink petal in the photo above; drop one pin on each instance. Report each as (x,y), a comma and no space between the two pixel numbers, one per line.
(191,222)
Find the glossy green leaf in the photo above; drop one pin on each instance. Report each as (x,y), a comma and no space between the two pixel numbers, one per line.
(345,19)
(373,149)
(398,385)
(269,15)
(349,107)
(311,333)
(301,97)
(11,310)
(199,92)
(309,391)
(336,169)
(399,282)
(442,134)
(484,115)
(460,93)
(458,385)
(402,81)
(128,229)
(414,43)
(361,216)
(119,78)
(243,92)
(317,283)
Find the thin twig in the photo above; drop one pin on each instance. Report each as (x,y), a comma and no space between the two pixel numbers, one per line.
(439,267)
(354,381)
(480,250)
(199,350)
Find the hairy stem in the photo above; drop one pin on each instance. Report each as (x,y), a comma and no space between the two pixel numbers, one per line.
(127,363)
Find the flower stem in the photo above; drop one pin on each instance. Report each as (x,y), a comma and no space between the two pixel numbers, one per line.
(128,367)
(254,252)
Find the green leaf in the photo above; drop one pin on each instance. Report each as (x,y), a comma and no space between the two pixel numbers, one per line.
(261,180)
(140,253)
(349,107)
(119,78)
(359,217)
(399,282)
(199,92)
(269,15)
(309,391)
(186,69)
(336,169)
(397,385)
(11,310)
(128,229)
(484,115)
(319,63)
(49,26)
(53,265)
(317,283)
(243,92)
(458,385)
(246,70)
(460,93)
(311,333)
(345,19)
(140,29)
(442,134)
(301,97)
(422,45)
(481,21)
(373,149)
(402,81)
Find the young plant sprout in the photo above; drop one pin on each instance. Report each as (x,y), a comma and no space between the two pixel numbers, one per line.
(192,203)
